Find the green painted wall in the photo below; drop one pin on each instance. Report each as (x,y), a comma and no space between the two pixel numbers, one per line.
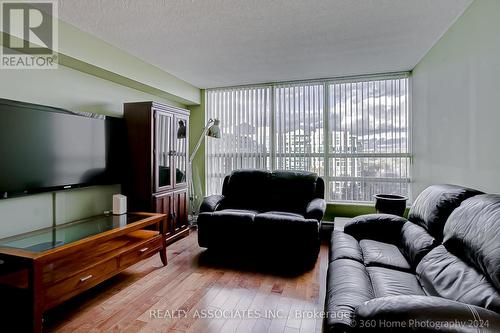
(18,215)
(81,203)
(86,53)
(70,89)
(455,104)
(93,76)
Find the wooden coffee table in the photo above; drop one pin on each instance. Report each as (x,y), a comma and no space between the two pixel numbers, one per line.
(55,264)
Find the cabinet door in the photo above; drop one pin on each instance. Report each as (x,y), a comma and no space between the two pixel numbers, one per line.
(163,151)
(164,204)
(181,211)
(181,135)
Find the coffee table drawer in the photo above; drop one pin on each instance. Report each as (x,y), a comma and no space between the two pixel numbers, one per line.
(142,251)
(74,285)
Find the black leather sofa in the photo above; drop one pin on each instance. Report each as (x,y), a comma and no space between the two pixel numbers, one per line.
(277,214)
(438,271)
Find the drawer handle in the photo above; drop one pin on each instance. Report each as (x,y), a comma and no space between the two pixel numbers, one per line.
(85,278)
(144,249)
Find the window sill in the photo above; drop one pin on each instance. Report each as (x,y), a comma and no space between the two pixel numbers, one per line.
(351,209)
(357,203)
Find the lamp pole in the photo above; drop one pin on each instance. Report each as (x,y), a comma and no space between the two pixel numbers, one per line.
(192,195)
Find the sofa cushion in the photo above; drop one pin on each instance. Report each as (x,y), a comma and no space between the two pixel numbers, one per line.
(344,246)
(383,254)
(382,227)
(291,233)
(286,214)
(348,286)
(415,243)
(389,282)
(434,205)
(472,233)
(411,314)
(445,275)
(285,221)
(238,215)
(247,189)
(211,203)
(292,190)
(224,226)
(316,209)
(286,230)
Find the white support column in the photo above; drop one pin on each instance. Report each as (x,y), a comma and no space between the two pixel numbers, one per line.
(326,138)
(272,132)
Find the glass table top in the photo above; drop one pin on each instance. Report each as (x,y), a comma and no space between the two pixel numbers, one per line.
(53,237)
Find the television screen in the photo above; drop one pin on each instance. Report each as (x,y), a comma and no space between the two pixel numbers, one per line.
(43,148)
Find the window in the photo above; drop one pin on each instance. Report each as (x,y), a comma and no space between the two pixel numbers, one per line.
(368,121)
(245,126)
(352,132)
(299,139)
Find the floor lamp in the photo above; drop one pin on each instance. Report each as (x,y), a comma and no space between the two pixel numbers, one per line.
(212,130)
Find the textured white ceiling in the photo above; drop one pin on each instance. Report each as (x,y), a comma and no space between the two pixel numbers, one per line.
(213,43)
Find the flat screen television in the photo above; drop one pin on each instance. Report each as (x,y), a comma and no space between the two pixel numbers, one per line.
(48,149)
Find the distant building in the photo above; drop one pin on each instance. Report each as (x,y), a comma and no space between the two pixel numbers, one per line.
(343,142)
(350,178)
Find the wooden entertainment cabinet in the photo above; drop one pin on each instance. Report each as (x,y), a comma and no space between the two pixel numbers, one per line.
(156,176)
(54,264)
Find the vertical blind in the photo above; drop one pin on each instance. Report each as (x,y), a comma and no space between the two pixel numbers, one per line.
(299,143)
(245,126)
(368,129)
(354,133)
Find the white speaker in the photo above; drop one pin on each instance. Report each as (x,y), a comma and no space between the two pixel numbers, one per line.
(119,204)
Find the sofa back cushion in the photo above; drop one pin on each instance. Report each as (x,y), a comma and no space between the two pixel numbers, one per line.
(415,243)
(247,188)
(291,191)
(443,274)
(434,205)
(466,267)
(472,233)
(288,191)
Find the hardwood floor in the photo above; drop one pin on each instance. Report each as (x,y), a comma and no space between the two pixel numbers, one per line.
(179,297)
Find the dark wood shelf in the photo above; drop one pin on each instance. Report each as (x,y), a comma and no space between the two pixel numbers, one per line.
(156,176)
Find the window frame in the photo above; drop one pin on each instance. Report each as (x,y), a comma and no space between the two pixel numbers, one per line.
(326,155)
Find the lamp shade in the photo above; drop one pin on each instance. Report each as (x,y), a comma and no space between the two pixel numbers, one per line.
(214,130)
(181,130)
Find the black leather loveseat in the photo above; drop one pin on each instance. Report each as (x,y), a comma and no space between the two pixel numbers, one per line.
(273,213)
(438,271)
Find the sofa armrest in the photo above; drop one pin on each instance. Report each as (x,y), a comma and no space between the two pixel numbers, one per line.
(416,243)
(423,314)
(211,203)
(381,227)
(316,209)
